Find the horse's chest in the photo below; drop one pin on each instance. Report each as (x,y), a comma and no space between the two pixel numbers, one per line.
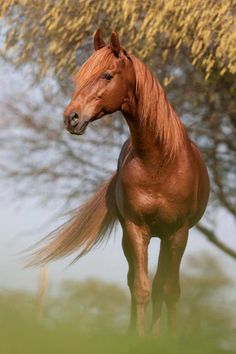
(151,197)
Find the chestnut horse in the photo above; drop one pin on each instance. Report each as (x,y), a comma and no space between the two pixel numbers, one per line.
(160,187)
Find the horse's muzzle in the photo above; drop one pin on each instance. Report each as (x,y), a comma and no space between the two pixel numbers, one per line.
(74,124)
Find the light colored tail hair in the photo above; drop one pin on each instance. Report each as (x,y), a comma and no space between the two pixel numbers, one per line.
(88,226)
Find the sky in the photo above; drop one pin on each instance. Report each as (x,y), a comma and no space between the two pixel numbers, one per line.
(24,221)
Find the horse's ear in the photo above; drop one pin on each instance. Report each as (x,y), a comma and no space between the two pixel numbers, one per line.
(98,41)
(115,44)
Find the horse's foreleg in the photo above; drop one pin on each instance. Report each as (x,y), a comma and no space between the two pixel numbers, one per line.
(171,291)
(130,279)
(158,285)
(135,245)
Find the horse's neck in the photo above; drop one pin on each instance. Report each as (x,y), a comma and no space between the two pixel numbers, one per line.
(154,125)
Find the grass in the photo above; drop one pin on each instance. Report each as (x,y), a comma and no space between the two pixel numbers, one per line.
(28,337)
(21,333)
(92,318)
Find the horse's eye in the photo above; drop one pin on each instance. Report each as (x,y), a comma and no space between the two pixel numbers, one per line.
(107,76)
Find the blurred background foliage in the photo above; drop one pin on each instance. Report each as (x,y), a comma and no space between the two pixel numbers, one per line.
(205,28)
(190,45)
(92,317)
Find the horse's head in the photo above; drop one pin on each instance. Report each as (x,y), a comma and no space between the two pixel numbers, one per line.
(103,85)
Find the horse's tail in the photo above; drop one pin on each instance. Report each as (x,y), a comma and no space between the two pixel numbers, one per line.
(87,227)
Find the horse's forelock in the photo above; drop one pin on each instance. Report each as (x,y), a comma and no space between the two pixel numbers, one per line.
(96,64)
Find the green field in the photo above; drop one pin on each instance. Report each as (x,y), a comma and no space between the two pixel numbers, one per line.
(92,317)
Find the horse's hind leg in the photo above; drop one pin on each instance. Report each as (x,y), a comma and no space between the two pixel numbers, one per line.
(171,290)
(135,245)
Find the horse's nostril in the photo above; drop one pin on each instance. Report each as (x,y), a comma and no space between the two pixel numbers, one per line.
(74,119)
(73,115)
(74,122)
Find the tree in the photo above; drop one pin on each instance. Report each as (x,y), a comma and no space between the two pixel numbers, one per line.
(191,46)
(63,26)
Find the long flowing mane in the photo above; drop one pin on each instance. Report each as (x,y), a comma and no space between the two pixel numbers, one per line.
(155,112)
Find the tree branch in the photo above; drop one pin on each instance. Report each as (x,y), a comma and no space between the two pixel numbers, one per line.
(210,235)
